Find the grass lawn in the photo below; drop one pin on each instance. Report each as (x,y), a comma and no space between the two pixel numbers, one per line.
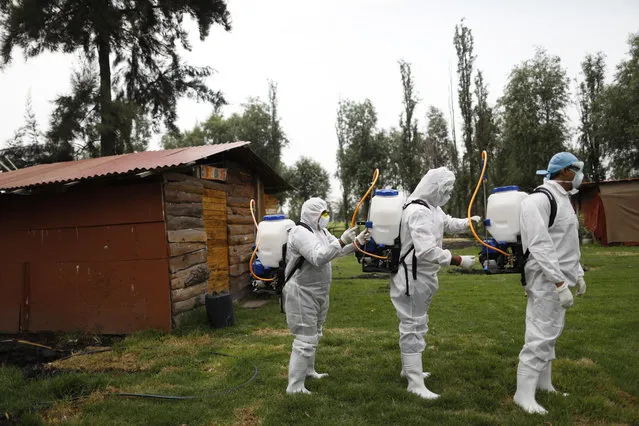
(476,332)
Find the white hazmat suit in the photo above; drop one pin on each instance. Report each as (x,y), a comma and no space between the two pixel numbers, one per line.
(422,228)
(306,294)
(554,258)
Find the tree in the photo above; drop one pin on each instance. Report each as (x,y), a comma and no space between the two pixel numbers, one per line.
(75,121)
(591,142)
(277,139)
(343,173)
(29,146)
(439,149)
(485,129)
(620,116)
(534,120)
(409,161)
(464,44)
(136,45)
(309,179)
(257,123)
(361,150)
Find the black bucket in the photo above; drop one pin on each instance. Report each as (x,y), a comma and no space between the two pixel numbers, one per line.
(219,310)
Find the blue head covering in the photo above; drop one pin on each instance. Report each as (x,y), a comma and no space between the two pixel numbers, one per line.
(560,161)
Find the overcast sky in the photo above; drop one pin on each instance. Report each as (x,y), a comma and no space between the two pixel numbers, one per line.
(319,52)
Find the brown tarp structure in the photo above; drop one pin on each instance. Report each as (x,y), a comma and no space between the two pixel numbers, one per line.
(621,203)
(611,211)
(595,216)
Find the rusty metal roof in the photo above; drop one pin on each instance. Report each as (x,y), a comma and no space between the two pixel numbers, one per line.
(71,171)
(607,182)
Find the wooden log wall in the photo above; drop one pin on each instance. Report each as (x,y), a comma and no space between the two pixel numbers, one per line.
(198,259)
(241,230)
(186,237)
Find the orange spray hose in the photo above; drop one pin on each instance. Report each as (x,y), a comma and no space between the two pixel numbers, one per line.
(257,245)
(375,177)
(484,157)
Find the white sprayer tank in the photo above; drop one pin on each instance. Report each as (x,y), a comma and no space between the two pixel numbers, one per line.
(504,205)
(273,233)
(385,215)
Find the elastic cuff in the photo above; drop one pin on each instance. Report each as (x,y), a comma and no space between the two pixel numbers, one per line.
(446,259)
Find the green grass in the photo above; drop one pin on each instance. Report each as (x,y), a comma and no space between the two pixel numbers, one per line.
(476,332)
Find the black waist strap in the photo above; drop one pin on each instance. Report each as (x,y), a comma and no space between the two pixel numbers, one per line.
(402,261)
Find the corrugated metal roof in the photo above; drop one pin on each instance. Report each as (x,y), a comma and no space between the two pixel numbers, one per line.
(91,168)
(606,182)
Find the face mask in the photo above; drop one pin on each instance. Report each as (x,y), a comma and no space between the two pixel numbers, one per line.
(323,221)
(575,182)
(445,198)
(444,194)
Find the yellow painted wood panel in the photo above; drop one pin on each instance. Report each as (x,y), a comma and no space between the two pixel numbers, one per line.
(214,205)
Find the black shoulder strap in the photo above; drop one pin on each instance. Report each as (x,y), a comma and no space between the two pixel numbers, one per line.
(305,226)
(402,260)
(418,201)
(300,260)
(551,222)
(553,203)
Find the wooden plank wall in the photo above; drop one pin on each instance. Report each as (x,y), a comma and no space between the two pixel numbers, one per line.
(271,205)
(214,204)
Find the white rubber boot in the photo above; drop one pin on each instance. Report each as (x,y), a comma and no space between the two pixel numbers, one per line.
(297,367)
(402,374)
(545,380)
(412,367)
(311,370)
(526,386)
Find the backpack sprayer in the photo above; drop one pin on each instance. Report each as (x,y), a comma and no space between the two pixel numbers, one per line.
(503,253)
(268,260)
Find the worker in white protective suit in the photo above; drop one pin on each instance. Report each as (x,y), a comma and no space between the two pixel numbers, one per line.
(306,294)
(552,267)
(412,288)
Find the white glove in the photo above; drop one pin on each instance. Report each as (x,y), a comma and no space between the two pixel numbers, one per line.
(349,236)
(467,262)
(581,286)
(363,237)
(565,296)
(475,219)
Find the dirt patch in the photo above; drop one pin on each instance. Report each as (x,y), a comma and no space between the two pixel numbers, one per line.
(189,342)
(35,353)
(627,398)
(349,331)
(271,332)
(457,243)
(103,361)
(617,253)
(460,271)
(246,416)
(585,362)
(63,412)
(171,369)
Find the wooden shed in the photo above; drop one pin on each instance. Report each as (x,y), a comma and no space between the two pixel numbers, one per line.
(123,243)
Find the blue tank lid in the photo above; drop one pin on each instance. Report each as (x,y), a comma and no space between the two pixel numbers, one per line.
(274,217)
(505,188)
(387,192)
